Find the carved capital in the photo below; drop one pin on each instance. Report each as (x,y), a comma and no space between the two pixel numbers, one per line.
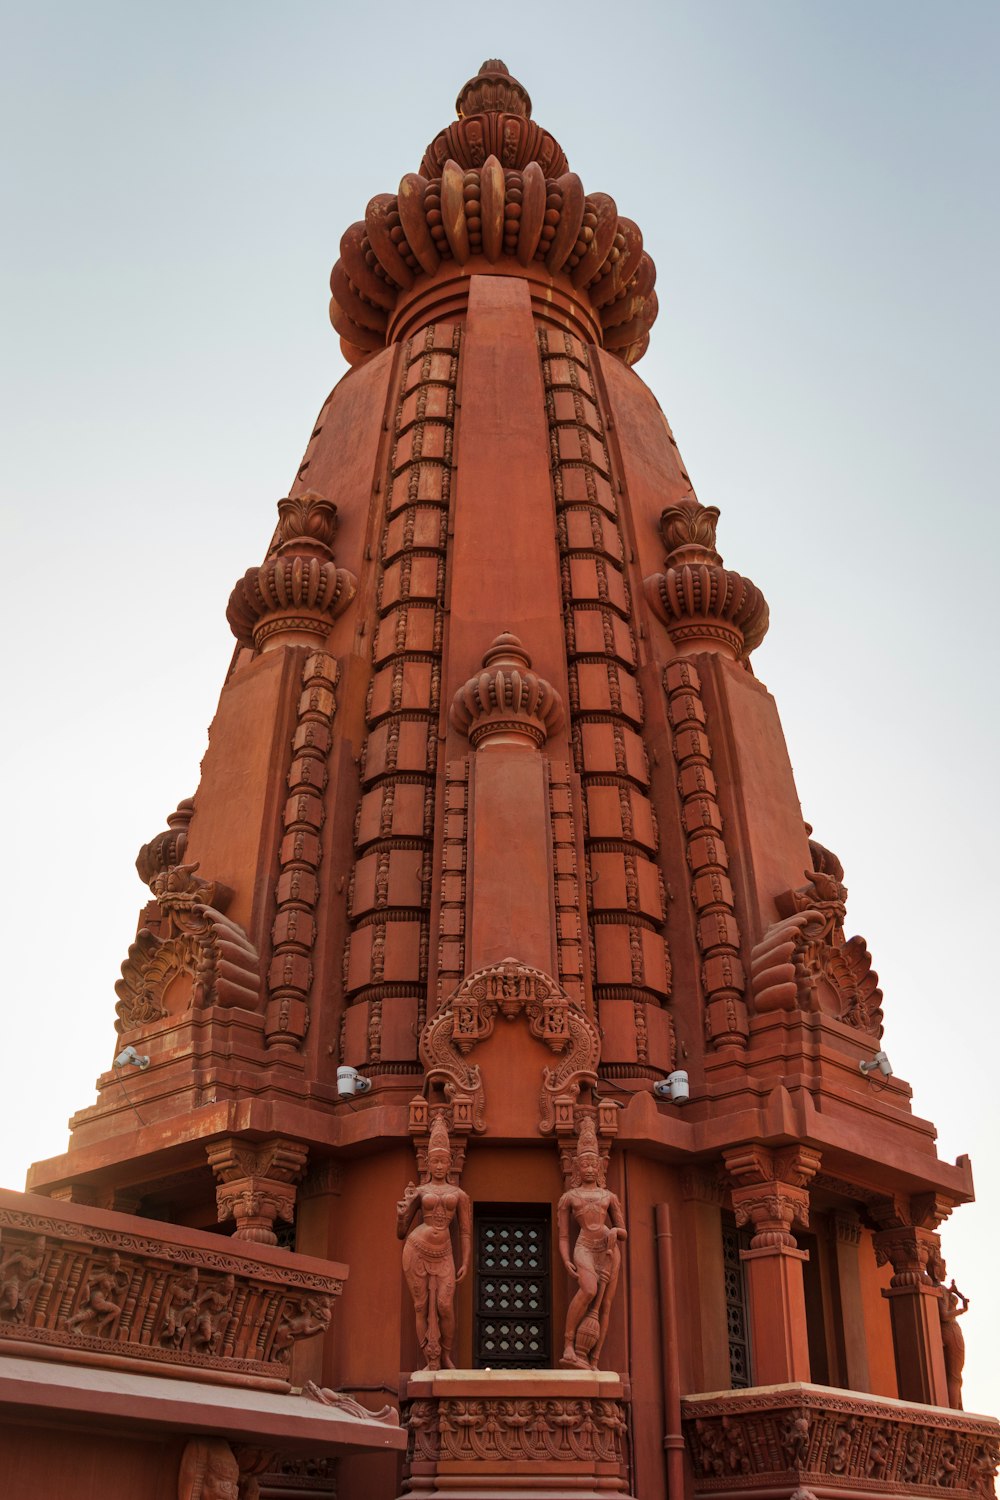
(256,1184)
(506,703)
(910,1251)
(770,1191)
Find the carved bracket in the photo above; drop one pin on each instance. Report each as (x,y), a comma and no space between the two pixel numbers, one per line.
(256,1184)
(770,1191)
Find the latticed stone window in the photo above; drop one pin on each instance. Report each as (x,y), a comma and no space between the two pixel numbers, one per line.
(513,1286)
(733,1241)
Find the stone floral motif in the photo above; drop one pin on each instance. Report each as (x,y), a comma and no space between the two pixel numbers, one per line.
(347,1404)
(518,1430)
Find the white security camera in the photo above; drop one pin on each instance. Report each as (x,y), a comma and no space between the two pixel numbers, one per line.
(674,1087)
(879,1064)
(350,1082)
(131,1057)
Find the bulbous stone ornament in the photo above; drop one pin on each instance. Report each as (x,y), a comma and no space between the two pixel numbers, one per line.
(428,1255)
(506,702)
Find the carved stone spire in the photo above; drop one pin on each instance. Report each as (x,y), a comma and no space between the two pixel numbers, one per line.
(493,92)
(296,595)
(705,606)
(506,703)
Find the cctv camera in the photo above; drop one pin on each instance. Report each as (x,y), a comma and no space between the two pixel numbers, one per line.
(350,1082)
(131,1056)
(674,1087)
(879,1063)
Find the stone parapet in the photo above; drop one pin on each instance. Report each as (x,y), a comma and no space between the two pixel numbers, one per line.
(90,1287)
(473,1433)
(797,1437)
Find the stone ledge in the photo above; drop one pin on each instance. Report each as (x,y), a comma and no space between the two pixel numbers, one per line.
(835,1442)
(92,1287)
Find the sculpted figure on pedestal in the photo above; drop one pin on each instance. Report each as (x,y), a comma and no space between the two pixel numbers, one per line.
(428,1256)
(596,1258)
(952,1306)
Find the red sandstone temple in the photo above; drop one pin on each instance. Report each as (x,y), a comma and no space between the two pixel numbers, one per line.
(498,1103)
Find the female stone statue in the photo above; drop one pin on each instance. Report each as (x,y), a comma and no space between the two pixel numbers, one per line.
(424,1217)
(209,1471)
(596,1259)
(952,1337)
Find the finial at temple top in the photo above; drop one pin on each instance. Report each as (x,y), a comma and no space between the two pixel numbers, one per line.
(493,92)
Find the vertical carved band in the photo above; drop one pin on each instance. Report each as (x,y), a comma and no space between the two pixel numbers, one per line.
(722,976)
(386,961)
(569,929)
(626,900)
(451,930)
(289,978)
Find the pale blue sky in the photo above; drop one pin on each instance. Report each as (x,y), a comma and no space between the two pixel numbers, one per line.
(817,184)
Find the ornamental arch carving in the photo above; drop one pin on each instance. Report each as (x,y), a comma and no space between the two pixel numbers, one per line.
(508,989)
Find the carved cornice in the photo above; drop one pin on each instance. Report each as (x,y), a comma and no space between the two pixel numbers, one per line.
(298,591)
(704,605)
(506,701)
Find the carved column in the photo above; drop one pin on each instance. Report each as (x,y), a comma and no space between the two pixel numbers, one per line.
(852,1339)
(256,1184)
(770,1193)
(913,1306)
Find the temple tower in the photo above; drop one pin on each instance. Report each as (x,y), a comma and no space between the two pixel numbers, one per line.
(496,883)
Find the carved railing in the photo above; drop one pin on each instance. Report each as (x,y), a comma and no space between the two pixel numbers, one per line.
(112,1288)
(801,1437)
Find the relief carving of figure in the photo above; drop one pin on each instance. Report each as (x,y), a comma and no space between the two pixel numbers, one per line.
(424,1218)
(596,1259)
(19,1276)
(952,1306)
(209,1471)
(179,1308)
(209,1318)
(102,1300)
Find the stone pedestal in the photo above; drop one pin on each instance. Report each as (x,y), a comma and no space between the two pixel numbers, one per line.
(475,1434)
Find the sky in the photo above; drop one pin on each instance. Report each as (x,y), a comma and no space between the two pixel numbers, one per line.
(816,181)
